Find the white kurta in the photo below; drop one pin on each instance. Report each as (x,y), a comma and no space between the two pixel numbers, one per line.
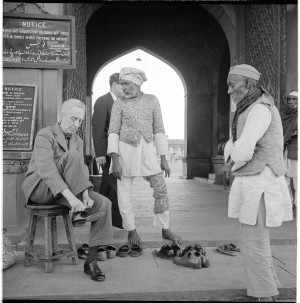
(246,191)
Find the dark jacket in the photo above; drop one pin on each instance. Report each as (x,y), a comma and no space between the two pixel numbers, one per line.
(100,123)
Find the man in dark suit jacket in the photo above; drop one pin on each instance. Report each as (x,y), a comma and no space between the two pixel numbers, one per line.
(57,175)
(100,123)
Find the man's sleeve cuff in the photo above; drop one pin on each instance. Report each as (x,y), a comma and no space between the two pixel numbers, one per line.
(113,144)
(161,144)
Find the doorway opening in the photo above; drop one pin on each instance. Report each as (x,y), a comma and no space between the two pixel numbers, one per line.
(165,82)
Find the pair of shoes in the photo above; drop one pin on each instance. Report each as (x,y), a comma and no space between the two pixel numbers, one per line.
(83,251)
(108,252)
(135,251)
(94,271)
(191,258)
(225,249)
(168,252)
(82,217)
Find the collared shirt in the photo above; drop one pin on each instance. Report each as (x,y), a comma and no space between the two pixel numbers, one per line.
(246,191)
(113,96)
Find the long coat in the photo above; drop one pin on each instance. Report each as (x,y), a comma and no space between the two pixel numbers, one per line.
(50,144)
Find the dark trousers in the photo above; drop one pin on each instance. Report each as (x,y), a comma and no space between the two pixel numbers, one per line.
(75,174)
(108,188)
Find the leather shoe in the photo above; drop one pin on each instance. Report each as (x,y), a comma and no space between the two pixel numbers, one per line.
(165,252)
(83,216)
(94,271)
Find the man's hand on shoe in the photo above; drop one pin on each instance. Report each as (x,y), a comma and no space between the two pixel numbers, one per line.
(87,201)
(75,203)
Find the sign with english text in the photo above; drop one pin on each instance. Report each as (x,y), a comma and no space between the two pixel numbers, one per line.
(38,41)
(19,115)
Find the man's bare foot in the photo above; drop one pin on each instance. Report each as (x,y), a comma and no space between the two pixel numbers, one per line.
(168,234)
(133,237)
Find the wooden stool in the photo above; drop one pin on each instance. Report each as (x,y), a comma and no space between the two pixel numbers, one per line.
(50,212)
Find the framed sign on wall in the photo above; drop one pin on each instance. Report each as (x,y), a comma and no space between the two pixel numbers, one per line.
(19,115)
(38,41)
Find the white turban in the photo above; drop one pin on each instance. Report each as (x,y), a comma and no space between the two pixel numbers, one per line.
(245,70)
(293,93)
(132,74)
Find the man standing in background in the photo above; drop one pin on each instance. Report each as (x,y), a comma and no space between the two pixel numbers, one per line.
(100,125)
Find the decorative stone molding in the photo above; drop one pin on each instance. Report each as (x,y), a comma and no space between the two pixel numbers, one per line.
(15,166)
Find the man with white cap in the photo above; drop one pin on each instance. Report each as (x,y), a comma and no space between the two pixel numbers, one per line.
(259,196)
(289,117)
(136,121)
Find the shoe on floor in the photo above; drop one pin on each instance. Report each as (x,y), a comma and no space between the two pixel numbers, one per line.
(123,251)
(110,251)
(94,271)
(189,259)
(135,250)
(165,252)
(101,256)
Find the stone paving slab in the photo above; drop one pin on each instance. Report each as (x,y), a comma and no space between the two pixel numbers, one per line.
(144,278)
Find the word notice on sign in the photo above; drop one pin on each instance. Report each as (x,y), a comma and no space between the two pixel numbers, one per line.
(32,42)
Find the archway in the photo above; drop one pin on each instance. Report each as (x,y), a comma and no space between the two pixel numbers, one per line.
(189,38)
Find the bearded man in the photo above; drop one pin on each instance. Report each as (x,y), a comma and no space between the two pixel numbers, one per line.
(136,121)
(259,196)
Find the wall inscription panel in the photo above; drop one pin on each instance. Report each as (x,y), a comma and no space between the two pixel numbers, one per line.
(19,112)
(38,41)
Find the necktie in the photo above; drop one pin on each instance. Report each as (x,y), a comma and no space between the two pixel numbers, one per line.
(68,137)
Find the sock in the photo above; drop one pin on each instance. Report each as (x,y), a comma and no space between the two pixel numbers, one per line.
(92,254)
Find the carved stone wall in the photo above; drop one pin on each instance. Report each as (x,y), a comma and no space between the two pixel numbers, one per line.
(74,80)
(265,37)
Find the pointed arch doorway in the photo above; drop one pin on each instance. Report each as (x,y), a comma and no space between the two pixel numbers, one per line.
(164,81)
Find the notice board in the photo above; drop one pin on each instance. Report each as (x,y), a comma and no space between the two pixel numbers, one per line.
(19,114)
(38,41)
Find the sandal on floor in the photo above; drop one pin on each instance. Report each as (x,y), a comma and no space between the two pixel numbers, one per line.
(82,253)
(123,251)
(135,250)
(165,252)
(224,249)
(110,251)
(233,247)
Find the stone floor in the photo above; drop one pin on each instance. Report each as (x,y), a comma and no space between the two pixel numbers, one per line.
(199,215)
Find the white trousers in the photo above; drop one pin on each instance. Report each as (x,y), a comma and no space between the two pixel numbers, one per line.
(261,278)
(126,209)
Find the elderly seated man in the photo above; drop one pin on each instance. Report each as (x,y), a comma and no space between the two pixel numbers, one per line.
(57,175)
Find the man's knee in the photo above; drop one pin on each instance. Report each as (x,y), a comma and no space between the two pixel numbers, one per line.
(100,201)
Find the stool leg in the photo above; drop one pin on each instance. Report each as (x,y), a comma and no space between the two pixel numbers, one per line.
(48,244)
(70,236)
(30,239)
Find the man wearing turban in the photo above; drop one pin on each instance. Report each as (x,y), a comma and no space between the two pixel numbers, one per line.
(136,121)
(259,196)
(289,117)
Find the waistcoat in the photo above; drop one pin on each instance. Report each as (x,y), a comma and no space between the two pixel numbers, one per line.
(136,117)
(269,148)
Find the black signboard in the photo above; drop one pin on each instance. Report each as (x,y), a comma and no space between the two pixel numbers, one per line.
(19,107)
(38,41)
